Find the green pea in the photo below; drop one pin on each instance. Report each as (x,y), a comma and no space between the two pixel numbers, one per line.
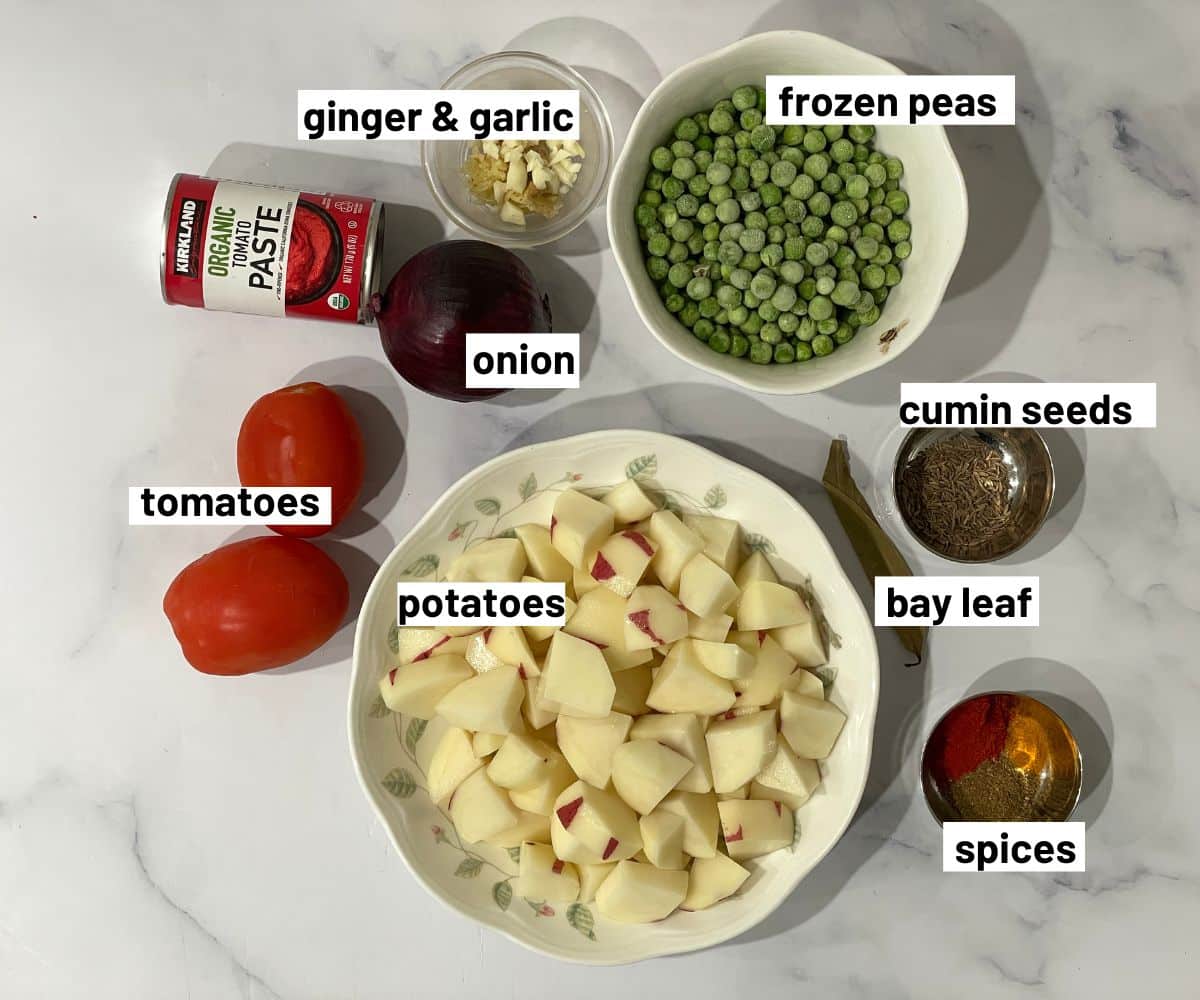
(750,201)
(756,220)
(846,170)
(657,268)
(672,188)
(845,293)
(738,346)
(861,133)
(873,276)
(752,240)
(897,201)
(659,244)
(747,155)
(902,250)
(816,166)
(651,198)
(772,255)
(728,296)
(875,196)
(744,97)
(802,187)
(894,167)
(740,278)
(760,170)
(803,352)
(741,140)
(728,211)
(825,285)
(699,185)
(776,215)
(762,137)
(687,204)
(857,186)
(752,325)
(870,316)
(794,210)
(816,253)
(844,257)
(814,140)
(866,247)
(719,341)
(644,215)
(709,307)
(751,261)
(761,353)
(706,215)
(792,135)
(677,253)
(725,156)
(874,230)
(881,214)
(783,173)
(774,232)
(720,121)
(683,168)
(844,333)
(704,329)
(835,236)
(719,193)
(788,322)
(841,151)
(899,231)
(675,302)
(662,158)
(822,345)
(785,354)
(831,184)
(738,315)
(820,308)
(792,154)
(699,288)
(687,128)
(770,194)
(820,204)
(784,298)
(718,173)
(763,284)
(750,119)
(689,314)
(680,274)
(768,313)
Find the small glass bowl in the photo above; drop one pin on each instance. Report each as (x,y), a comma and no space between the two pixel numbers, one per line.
(443,159)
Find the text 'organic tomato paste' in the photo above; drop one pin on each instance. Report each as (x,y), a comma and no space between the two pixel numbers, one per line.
(272,251)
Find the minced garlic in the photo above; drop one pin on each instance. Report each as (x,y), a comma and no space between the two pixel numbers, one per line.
(518,176)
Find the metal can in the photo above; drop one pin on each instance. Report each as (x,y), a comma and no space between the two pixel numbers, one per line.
(268,250)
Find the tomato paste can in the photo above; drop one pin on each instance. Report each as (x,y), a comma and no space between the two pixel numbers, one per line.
(270,251)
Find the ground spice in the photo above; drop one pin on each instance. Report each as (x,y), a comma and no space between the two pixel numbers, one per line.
(995,792)
(973,733)
(957,492)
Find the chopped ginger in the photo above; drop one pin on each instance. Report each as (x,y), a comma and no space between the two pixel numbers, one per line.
(519,177)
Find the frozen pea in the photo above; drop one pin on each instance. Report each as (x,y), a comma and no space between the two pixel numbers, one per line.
(845,293)
(772,255)
(902,250)
(791,271)
(846,170)
(897,201)
(861,133)
(741,141)
(803,351)
(704,329)
(894,167)
(776,215)
(866,247)
(728,296)
(802,187)
(719,341)
(708,248)
(738,345)
(844,257)
(774,232)
(752,240)
(672,188)
(747,156)
(816,166)
(884,255)
(870,316)
(644,215)
(763,284)
(751,261)
(857,186)
(750,119)
(677,253)
(752,325)
(793,155)
(706,215)
(807,289)
(744,97)
(820,204)
(814,140)
(783,173)
(794,210)
(831,184)
(739,180)
(687,204)
(761,353)
(770,194)
(709,307)
(729,252)
(767,313)
(699,185)
(792,135)
(720,121)
(728,211)
(719,193)
(784,298)
(683,168)
(812,226)
(822,344)
(679,275)
(881,214)
(756,220)
(657,268)
(662,158)
(762,137)
(816,253)
(717,173)
(704,146)
(750,300)
(687,128)
(899,230)
(835,236)
(725,156)
(689,314)
(807,330)
(788,322)
(785,354)
(674,302)
(873,276)
(820,308)
(873,230)
(738,315)
(844,333)
(750,201)
(875,196)
(841,151)
(659,244)
(825,285)
(740,278)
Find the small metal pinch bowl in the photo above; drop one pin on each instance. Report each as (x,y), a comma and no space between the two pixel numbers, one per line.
(929,501)
(1038,745)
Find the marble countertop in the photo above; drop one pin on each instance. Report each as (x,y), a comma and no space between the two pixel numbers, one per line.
(164,834)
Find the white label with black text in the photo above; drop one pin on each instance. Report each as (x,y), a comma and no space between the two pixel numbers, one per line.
(522,361)
(1029,404)
(437,114)
(453,605)
(240,505)
(891,100)
(956,600)
(1013,847)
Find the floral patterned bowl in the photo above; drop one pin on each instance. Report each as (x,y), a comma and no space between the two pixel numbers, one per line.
(391,751)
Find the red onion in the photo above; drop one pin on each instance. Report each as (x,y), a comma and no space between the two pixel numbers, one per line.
(445,292)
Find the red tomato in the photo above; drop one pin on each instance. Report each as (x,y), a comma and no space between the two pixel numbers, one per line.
(256,604)
(303,435)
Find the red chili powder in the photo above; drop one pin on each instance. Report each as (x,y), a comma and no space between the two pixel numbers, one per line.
(310,253)
(971,734)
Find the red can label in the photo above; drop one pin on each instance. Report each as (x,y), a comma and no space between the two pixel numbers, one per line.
(271,251)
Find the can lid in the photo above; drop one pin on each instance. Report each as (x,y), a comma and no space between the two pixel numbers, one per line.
(371,261)
(166,223)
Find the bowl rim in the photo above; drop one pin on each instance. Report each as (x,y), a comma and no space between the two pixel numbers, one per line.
(385,574)
(745,375)
(584,209)
(894,482)
(992,693)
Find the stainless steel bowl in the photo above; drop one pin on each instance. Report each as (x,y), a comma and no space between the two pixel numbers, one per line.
(1030,487)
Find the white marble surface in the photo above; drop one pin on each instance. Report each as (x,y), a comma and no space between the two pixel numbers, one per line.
(165,834)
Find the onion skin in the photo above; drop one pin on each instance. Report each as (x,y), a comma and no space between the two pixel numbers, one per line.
(445,292)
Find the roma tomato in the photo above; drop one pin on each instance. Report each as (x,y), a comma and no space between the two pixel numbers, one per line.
(303,435)
(256,604)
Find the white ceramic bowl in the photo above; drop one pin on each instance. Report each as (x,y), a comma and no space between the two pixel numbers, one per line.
(391,751)
(932,178)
